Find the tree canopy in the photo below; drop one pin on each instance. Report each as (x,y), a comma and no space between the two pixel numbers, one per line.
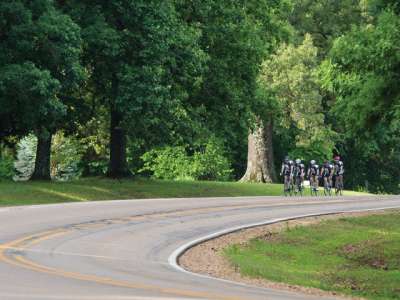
(143,87)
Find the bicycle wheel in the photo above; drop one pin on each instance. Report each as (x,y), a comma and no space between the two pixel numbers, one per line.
(340,189)
(291,189)
(327,191)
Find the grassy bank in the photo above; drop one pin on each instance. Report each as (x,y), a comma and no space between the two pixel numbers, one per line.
(89,189)
(358,256)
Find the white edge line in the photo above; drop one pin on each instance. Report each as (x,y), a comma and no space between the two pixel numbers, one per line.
(174,257)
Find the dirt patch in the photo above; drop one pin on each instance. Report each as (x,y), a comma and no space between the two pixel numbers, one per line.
(206,258)
(369,253)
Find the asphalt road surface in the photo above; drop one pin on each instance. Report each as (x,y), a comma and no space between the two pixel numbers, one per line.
(122,249)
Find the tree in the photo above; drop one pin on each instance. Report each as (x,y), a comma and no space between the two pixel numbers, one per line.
(325,20)
(291,81)
(362,71)
(40,72)
(142,59)
(236,35)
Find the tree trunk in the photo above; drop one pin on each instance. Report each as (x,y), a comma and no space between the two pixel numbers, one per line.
(118,166)
(260,155)
(43,152)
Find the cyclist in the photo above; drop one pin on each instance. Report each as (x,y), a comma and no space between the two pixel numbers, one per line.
(299,173)
(326,174)
(312,174)
(338,174)
(287,172)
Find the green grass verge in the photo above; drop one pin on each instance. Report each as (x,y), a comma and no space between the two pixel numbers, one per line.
(89,189)
(358,256)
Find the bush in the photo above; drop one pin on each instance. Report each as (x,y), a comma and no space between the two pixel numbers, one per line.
(175,163)
(66,154)
(7,167)
(26,154)
(65,157)
(167,163)
(211,164)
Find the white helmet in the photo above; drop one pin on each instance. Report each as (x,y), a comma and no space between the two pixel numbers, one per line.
(312,162)
(298,161)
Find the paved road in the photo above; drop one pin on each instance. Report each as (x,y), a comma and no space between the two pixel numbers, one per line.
(120,249)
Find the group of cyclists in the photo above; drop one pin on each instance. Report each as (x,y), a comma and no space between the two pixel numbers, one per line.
(330,174)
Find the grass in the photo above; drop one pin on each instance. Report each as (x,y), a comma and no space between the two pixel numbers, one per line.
(358,256)
(89,189)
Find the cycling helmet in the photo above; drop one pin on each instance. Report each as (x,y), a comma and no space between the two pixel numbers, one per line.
(298,161)
(312,162)
(286,159)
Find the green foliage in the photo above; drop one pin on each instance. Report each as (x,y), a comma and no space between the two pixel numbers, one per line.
(362,73)
(39,66)
(93,137)
(28,97)
(142,58)
(290,75)
(6,167)
(236,36)
(208,163)
(25,160)
(177,72)
(167,163)
(325,20)
(66,155)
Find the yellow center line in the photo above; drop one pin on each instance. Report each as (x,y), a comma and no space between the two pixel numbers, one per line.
(20,261)
(28,241)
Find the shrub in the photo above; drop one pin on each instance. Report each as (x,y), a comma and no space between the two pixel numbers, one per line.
(65,157)
(207,163)
(167,163)
(66,154)
(211,164)
(26,154)
(7,167)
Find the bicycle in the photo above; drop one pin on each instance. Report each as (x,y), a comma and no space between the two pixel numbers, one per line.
(327,186)
(314,185)
(298,188)
(288,186)
(339,185)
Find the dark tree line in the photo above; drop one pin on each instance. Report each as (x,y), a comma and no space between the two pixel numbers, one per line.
(263,78)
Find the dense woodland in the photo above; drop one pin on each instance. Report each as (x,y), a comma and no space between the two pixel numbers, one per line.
(199,89)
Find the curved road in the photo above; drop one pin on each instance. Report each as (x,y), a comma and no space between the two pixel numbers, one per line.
(120,249)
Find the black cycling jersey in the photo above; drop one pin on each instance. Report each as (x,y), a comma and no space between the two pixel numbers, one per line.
(314,170)
(286,169)
(327,170)
(339,168)
(298,170)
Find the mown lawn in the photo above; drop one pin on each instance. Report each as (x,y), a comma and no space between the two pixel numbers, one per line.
(357,256)
(89,189)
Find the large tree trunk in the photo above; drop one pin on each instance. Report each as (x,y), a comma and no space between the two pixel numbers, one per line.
(118,166)
(260,155)
(43,152)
